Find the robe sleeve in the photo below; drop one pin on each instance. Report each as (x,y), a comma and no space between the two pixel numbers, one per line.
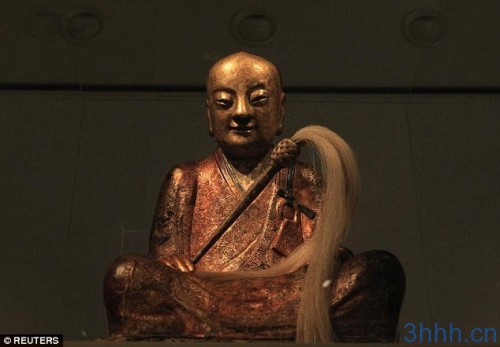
(171,227)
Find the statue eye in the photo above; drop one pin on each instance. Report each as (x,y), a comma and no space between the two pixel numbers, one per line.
(225,103)
(259,100)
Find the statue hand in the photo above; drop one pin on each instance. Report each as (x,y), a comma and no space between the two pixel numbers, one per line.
(179,262)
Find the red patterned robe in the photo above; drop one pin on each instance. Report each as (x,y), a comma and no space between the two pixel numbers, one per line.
(144,298)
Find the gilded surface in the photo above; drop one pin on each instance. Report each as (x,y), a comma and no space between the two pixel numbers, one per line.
(204,193)
(165,294)
(153,300)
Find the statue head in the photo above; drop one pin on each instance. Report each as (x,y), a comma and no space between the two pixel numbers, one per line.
(245,104)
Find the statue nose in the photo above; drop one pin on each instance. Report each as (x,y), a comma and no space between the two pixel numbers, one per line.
(242,108)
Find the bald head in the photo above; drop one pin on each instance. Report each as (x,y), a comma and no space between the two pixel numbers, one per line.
(242,64)
(245,104)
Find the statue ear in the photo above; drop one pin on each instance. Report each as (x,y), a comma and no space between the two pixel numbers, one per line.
(209,118)
(281,114)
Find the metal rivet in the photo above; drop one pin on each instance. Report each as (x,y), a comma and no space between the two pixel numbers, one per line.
(424,27)
(253,26)
(82,25)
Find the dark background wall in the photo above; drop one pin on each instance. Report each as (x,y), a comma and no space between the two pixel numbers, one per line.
(99,99)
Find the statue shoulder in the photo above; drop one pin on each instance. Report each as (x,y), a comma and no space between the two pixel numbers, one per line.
(187,172)
(182,171)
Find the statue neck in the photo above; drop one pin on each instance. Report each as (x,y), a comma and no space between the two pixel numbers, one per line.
(246,169)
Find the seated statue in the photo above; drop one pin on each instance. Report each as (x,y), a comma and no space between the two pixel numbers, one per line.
(205,281)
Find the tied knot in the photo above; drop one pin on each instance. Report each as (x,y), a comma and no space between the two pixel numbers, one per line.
(284,152)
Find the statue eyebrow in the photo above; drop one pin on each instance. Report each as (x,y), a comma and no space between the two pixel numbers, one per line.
(223,89)
(233,92)
(258,86)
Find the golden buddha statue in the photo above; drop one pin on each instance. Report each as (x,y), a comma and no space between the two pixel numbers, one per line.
(243,281)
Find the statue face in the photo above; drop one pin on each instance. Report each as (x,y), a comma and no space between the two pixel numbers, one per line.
(245,105)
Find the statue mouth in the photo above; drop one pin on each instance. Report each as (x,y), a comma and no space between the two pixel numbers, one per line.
(244,129)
